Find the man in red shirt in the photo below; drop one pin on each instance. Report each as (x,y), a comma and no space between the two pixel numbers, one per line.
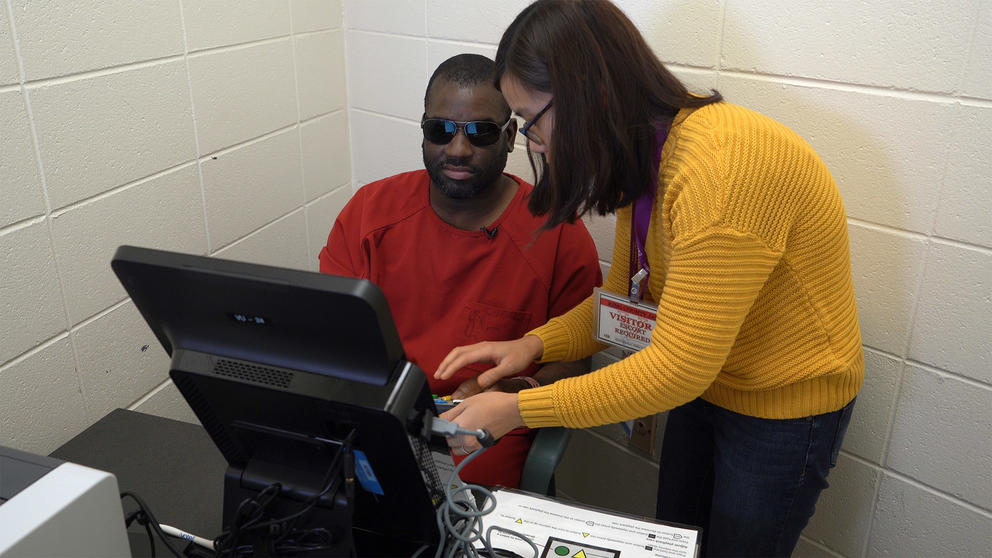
(458,255)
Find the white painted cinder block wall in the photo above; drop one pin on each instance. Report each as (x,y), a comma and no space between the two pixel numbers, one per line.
(111,113)
(897,98)
(194,125)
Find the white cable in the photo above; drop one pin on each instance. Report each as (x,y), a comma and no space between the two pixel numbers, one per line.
(180,534)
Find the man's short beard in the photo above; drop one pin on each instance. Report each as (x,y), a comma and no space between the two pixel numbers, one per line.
(458,190)
(483,179)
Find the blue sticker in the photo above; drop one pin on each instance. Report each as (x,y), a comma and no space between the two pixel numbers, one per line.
(366,476)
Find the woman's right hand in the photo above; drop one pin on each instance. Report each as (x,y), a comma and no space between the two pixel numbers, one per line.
(510,358)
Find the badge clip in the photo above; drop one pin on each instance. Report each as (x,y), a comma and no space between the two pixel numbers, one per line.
(635,283)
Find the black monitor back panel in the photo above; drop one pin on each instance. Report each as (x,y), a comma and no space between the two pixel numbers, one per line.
(311,322)
(281,364)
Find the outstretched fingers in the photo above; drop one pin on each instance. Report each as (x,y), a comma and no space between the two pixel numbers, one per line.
(459,357)
(509,358)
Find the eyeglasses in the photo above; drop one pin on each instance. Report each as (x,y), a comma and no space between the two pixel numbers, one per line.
(480,133)
(526,129)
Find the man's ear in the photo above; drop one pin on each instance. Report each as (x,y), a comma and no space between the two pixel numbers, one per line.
(511,134)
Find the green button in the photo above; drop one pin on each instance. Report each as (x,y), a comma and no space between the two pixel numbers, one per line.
(561,550)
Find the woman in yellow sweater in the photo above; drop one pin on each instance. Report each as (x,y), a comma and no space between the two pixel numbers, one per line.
(741,231)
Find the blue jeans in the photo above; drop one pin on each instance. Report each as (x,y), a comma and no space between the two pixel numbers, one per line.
(750,483)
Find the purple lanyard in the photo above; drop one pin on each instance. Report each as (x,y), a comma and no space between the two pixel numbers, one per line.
(640,220)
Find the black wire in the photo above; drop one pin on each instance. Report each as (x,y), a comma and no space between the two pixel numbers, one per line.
(331,484)
(131,517)
(228,540)
(151,524)
(287,538)
(143,521)
(151,539)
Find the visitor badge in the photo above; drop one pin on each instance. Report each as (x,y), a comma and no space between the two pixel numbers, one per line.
(622,322)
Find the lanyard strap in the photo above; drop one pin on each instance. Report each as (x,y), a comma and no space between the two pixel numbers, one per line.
(640,220)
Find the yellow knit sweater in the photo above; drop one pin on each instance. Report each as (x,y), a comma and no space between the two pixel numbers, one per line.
(750,269)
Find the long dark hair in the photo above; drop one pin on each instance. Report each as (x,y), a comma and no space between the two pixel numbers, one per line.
(609,92)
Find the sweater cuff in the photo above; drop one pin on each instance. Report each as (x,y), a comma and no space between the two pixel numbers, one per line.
(537,407)
(555,338)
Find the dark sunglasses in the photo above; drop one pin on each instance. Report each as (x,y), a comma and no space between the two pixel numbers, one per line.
(480,133)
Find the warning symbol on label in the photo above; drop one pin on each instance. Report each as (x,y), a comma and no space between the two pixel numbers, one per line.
(570,549)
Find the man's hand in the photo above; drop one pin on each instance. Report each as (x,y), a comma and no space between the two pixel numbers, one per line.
(510,358)
(471,387)
(467,389)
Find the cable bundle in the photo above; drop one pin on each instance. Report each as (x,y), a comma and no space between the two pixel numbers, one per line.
(280,535)
(460,523)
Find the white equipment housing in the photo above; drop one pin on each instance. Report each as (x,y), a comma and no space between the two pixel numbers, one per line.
(53,508)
